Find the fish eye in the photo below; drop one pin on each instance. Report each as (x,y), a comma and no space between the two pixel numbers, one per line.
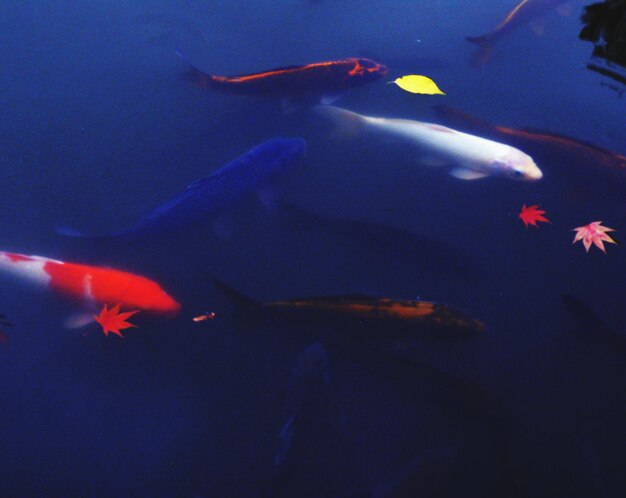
(518,172)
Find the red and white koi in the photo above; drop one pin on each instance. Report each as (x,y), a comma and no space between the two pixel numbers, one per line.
(90,286)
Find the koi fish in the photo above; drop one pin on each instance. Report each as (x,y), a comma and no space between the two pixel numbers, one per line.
(395,319)
(317,80)
(209,196)
(313,423)
(524,12)
(591,323)
(426,255)
(470,156)
(578,161)
(90,286)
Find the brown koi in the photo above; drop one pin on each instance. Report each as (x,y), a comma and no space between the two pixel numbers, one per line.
(316,79)
(362,312)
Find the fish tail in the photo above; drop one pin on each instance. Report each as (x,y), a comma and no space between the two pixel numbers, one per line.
(235,296)
(348,123)
(193,75)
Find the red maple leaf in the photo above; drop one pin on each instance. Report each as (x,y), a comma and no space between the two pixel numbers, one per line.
(111,320)
(593,233)
(532,214)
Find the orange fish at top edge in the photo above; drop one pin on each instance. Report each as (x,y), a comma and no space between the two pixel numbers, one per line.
(316,80)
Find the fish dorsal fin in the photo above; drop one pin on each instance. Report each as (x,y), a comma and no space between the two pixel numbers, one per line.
(358,297)
(79,320)
(197,183)
(441,128)
(269,71)
(466,174)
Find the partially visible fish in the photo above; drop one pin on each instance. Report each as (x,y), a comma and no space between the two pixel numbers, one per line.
(413,250)
(209,196)
(90,286)
(591,324)
(362,318)
(524,12)
(312,424)
(578,161)
(470,157)
(314,81)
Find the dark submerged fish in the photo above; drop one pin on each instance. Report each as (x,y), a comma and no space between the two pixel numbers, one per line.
(312,427)
(316,80)
(591,324)
(429,255)
(223,189)
(525,11)
(581,162)
(371,317)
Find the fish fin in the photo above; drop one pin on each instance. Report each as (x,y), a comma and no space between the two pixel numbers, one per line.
(433,161)
(466,174)
(443,129)
(538,26)
(348,123)
(482,56)
(79,320)
(193,75)
(478,40)
(235,296)
(330,99)
(564,9)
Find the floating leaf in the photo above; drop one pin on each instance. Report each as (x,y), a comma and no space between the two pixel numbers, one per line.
(593,233)
(532,214)
(415,83)
(111,320)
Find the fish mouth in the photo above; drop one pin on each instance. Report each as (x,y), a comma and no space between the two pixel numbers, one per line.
(535,174)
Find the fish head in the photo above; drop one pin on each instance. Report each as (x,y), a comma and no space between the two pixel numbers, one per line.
(517,166)
(365,71)
(167,305)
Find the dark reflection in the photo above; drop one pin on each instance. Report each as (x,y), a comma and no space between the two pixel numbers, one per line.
(605,26)
(3,323)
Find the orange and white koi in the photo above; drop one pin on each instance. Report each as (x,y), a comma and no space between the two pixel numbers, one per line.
(90,286)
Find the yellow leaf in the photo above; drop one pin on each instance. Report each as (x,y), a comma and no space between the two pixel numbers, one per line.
(418,84)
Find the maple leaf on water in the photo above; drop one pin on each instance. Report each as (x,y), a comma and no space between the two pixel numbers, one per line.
(111,320)
(593,233)
(532,214)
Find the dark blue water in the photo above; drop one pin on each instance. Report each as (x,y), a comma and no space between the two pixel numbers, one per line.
(97,129)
